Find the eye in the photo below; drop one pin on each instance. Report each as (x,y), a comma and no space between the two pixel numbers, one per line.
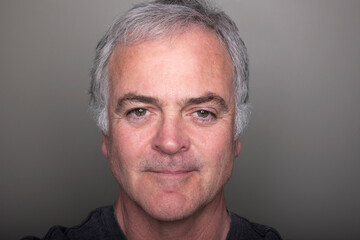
(204,116)
(203,113)
(137,114)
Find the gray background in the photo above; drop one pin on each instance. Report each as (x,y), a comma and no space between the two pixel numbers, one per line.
(298,170)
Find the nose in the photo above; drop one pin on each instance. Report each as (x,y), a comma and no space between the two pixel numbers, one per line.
(170,137)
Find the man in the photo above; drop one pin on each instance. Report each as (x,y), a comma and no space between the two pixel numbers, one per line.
(169,92)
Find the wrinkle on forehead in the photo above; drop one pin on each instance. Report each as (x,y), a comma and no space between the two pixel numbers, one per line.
(196,55)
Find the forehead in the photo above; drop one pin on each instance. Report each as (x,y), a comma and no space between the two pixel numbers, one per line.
(195,59)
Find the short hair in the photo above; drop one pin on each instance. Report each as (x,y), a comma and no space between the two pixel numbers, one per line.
(159,19)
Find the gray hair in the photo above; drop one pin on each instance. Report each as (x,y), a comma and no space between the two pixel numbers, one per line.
(159,19)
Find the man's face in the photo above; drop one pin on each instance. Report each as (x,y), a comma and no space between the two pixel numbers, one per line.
(171,123)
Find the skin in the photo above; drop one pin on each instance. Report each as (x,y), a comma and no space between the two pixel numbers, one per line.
(170,143)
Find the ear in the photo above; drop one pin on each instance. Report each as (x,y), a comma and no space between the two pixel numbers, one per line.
(237,147)
(105,146)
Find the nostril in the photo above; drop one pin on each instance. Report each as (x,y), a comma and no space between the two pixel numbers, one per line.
(170,137)
(170,144)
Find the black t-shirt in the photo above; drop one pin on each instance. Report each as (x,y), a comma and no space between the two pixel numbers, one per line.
(101,224)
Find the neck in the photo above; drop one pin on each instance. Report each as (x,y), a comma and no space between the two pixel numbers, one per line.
(209,222)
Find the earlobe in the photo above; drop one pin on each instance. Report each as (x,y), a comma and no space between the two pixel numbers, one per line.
(105,146)
(237,147)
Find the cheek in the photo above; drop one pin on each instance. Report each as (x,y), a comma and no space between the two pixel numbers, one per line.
(213,141)
(216,147)
(127,148)
(129,144)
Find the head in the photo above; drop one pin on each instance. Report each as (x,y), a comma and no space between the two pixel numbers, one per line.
(169,90)
(161,19)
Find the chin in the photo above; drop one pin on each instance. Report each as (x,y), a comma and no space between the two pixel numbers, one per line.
(171,207)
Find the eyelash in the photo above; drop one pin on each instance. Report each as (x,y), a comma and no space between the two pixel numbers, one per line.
(209,118)
(131,114)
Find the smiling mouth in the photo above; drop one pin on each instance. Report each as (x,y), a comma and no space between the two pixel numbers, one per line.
(171,180)
(172,173)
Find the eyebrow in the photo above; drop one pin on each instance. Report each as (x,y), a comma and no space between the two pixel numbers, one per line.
(131,97)
(210,97)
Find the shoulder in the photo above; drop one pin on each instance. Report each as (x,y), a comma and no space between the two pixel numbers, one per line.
(99,224)
(55,232)
(241,228)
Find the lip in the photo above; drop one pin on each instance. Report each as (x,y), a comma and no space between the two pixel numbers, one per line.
(172,172)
